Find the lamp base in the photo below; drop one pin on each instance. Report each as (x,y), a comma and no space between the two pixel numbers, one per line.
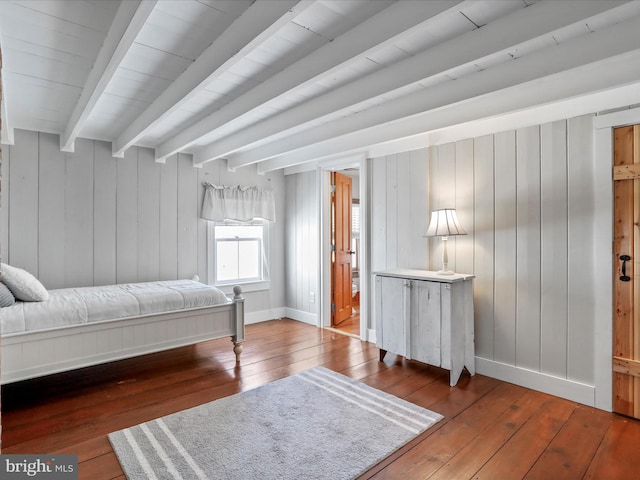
(445,272)
(445,260)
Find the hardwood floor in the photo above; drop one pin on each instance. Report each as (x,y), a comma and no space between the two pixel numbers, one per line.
(351,326)
(492,429)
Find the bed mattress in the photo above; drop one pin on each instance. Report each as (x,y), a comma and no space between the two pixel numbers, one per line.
(74,306)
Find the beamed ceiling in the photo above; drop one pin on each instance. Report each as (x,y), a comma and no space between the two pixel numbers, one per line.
(287,83)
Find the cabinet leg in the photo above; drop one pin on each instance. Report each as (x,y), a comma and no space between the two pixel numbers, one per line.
(382,354)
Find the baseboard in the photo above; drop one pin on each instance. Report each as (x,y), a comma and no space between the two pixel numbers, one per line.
(274,313)
(305,317)
(264,315)
(560,387)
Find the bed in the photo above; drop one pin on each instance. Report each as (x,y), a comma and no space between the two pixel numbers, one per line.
(79,327)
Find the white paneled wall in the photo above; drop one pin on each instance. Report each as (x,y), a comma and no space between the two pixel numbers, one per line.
(464,204)
(399,211)
(86,218)
(554,260)
(581,248)
(302,244)
(483,241)
(105,214)
(525,198)
(504,288)
(168,203)
(528,248)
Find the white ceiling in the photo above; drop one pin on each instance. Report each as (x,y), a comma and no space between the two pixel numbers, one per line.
(281,83)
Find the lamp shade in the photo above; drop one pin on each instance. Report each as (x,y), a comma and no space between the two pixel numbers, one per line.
(444,222)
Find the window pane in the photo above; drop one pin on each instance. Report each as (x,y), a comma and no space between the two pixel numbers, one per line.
(227,261)
(249,259)
(355,220)
(354,255)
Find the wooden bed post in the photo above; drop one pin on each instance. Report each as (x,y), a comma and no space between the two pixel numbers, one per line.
(238,318)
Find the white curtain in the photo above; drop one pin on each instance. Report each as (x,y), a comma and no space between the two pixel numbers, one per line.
(241,204)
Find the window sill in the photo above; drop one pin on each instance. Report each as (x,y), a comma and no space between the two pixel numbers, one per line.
(246,287)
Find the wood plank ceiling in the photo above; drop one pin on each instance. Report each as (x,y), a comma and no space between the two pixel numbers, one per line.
(280,83)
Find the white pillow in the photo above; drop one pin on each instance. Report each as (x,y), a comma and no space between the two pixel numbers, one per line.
(22,284)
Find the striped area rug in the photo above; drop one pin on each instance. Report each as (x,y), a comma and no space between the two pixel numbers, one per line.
(317,424)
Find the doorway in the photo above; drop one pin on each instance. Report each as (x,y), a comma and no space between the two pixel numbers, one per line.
(345,252)
(351,165)
(626,284)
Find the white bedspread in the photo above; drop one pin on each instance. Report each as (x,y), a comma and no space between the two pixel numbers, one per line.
(72,306)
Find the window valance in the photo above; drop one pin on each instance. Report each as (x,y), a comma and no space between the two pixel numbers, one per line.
(238,203)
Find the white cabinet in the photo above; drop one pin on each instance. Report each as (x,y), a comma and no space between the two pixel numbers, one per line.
(426,317)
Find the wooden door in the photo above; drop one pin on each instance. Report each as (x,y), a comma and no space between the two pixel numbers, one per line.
(626,291)
(341,304)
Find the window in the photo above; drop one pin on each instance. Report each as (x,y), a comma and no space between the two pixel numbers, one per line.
(355,235)
(237,252)
(355,218)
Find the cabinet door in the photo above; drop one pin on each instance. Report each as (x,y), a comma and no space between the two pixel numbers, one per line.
(425,322)
(391,314)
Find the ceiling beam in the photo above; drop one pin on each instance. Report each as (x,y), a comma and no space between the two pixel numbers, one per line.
(127,23)
(248,31)
(472,125)
(396,21)
(502,35)
(475,117)
(552,73)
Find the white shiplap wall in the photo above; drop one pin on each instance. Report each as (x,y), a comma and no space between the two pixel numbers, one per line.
(302,246)
(526,199)
(86,218)
(399,211)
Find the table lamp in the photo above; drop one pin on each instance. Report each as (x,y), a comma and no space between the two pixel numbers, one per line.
(444,223)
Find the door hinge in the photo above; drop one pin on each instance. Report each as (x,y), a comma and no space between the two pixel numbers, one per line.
(333,307)
(333,248)
(333,189)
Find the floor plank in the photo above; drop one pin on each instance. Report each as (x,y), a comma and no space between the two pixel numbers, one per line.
(528,442)
(568,455)
(618,456)
(491,429)
(469,458)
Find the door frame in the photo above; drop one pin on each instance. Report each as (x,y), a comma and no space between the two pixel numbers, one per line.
(603,126)
(324,169)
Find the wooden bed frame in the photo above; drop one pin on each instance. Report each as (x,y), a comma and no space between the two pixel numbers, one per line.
(33,354)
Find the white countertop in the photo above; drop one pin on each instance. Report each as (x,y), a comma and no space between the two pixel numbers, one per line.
(424,275)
